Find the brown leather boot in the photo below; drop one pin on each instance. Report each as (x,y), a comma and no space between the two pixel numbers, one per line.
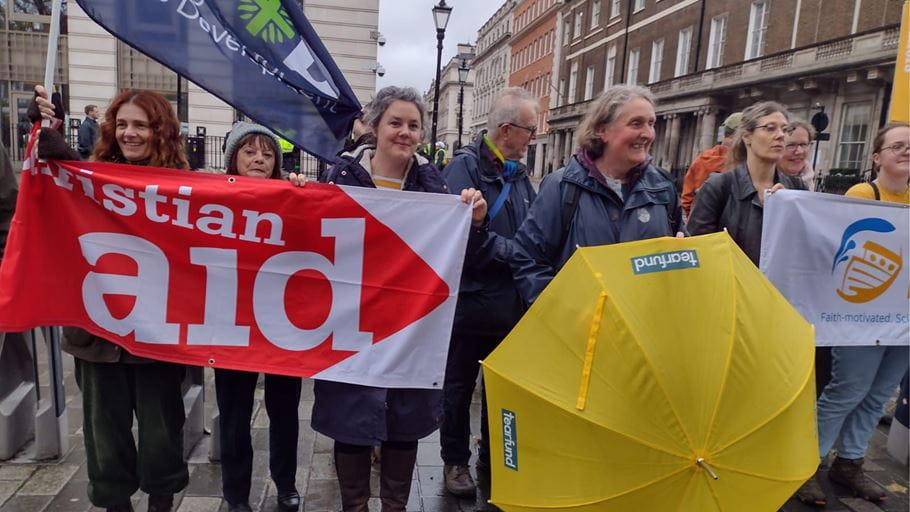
(458,481)
(396,472)
(849,473)
(353,470)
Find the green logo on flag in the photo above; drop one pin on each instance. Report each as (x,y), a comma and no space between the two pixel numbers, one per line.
(267,19)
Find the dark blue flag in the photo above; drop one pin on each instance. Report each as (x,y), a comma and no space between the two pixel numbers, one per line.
(260,56)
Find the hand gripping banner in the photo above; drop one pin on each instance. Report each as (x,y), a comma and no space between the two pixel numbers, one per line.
(842,263)
(347,284)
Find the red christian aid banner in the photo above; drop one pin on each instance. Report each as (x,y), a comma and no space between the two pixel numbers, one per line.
(338,283)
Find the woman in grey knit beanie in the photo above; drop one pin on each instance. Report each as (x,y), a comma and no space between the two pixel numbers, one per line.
(252,150)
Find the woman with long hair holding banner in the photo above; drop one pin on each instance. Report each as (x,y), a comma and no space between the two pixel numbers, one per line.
(253,151)
(140,128)
(734,200)
(863,378)
(358,417)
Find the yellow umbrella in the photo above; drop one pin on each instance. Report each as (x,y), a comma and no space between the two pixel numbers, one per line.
(665,374)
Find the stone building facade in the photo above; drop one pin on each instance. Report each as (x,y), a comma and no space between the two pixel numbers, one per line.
(704,59)
(491,64)
(532,44)
(450,108)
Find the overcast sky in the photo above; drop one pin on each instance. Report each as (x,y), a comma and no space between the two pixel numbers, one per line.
(409,55)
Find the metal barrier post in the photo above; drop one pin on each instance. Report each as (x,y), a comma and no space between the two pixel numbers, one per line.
(51,422)
(18,393)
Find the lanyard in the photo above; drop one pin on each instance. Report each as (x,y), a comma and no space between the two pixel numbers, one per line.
(509,167)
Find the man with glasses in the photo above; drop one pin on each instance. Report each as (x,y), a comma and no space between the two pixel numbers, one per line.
(488,302)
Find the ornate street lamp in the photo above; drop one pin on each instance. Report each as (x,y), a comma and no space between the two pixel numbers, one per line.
(441,13)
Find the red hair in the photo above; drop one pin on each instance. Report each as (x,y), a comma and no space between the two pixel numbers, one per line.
(167,144)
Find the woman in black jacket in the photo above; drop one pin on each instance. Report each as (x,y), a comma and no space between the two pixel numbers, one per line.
(734,200)
(253,151)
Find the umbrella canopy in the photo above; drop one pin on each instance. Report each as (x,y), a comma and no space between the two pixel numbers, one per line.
(665,374)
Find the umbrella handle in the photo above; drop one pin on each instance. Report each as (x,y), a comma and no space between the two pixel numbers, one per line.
(701,462)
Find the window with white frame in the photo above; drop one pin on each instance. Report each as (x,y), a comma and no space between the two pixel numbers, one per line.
(683,49)
(567,34)
(633,66)
(758,29)
(657,59)
(716,41)
(561,93)
(573,81)
(639,5)
(610,71)
(854,130)
(589,83)
(614,8)
(595,14)
(578,19)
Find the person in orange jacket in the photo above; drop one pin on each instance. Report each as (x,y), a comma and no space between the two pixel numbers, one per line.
(707,162)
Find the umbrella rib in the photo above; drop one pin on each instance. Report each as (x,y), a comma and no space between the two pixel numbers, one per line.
(723,382)
(642,442)
(608,498)
(759,475)
(770,417)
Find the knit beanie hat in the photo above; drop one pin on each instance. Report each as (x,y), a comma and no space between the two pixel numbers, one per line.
(241,130)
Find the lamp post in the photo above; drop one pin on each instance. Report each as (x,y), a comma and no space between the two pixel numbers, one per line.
(441,13)
(463,71)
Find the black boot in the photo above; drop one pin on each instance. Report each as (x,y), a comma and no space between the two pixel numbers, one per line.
(395,475)
(849,473)
(353,470)
(161,503)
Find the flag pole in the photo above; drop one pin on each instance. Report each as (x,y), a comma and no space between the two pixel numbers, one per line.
(51,64)
(51,429)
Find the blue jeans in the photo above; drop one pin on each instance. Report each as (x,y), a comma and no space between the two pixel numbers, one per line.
(862,380)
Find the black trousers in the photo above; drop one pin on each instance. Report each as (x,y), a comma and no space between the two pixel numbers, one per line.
(111,394)
(234,392)
(462,366)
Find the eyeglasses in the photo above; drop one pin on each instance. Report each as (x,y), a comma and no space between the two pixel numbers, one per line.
(772,128)
(532,130)
(793,147)
(898,148)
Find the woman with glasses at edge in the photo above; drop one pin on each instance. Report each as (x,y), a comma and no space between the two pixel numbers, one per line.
(795,161)
(863,378)
(734,200)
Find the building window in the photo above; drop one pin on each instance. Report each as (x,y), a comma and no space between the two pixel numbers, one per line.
(589,83)
(610,72)
(683,49)
(561,92)
(633,66)
(573,81)
(595,14)
(567,35)
(614,9)
(758,28)
(657,59)
(716,41)
(578,18)
(854,130)
(639,5)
